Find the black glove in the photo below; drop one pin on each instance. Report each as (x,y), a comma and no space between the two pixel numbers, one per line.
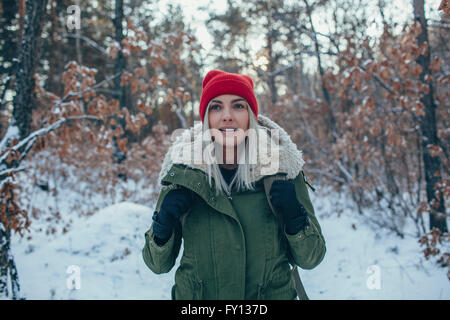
(176,203)
(284,200)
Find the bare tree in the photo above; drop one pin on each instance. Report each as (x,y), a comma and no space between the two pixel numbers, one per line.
(26,66)
(432,165)
(23,105)
(119,67)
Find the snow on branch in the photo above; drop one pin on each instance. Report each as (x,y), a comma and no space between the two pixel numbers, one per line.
(28,141)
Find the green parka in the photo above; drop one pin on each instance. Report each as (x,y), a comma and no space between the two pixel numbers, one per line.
(233,246)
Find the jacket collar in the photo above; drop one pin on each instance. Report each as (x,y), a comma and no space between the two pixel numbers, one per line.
(289,160)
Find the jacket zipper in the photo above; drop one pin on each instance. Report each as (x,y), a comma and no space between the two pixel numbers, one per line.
(243,242)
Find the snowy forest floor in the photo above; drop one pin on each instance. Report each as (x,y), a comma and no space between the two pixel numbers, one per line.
(106,247)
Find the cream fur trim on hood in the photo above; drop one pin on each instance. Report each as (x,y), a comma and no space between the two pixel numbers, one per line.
(289,161)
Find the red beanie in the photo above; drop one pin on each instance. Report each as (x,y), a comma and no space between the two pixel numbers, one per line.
(218,82)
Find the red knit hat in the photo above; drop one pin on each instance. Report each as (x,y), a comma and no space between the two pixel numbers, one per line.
(218,82)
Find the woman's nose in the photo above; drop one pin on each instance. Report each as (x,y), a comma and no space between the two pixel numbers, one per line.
(227,115)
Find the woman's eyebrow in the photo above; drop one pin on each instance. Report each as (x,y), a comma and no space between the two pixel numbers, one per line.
(235,100)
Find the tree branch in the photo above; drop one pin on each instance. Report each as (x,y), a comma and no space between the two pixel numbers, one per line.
(8,172)
(90,42)
(79,93)
(29,141)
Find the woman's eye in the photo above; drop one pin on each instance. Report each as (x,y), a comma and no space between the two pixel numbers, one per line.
(215,107)
(239,106)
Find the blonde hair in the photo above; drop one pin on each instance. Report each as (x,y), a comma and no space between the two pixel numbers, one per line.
(245,171)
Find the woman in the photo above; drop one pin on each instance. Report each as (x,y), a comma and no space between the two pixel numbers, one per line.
(239,235)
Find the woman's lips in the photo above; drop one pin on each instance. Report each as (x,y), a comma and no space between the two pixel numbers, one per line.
(228,136)
(228,130)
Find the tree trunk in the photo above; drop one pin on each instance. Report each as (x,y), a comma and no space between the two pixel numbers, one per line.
(272,61)
(77,40)
(54,81)
(29,54)
(8,51)
(23,106)
(432,165)
(119,67)
(9,278)
(325,92)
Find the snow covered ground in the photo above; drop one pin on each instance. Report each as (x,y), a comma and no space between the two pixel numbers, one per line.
(104,251)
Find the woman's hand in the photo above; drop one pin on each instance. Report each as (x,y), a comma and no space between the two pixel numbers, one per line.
(176,203)
(284,200)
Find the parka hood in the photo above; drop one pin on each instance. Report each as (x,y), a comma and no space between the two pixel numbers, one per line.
(275,156)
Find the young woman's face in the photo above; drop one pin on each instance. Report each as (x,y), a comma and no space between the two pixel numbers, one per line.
(228,119)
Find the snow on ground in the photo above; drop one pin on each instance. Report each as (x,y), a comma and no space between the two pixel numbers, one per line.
(106,247)
(358,257)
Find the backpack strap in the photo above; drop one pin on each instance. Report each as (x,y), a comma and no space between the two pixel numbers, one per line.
(306,181)
(298,282)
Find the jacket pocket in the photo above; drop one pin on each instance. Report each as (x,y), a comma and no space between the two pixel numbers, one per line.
(198,287)
(187,285)
(187,288)
(281,285)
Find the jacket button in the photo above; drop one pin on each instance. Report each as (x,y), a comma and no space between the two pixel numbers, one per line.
(172,174)
(199,184)
(213,199)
